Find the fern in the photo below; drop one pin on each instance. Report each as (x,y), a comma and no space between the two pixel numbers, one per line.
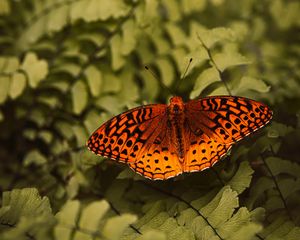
(75,222)
(25,215)
(66,66)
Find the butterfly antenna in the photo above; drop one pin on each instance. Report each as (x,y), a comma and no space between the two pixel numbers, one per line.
(159,81)
(184,74)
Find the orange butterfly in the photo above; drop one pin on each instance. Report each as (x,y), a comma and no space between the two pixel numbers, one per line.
(161,141)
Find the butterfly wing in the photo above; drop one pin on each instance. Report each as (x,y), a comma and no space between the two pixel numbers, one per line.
(214,124)
(139,138)
(159,160)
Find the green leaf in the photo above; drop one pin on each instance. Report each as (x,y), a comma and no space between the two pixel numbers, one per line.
(229,58)
(46,136)
(103,9)
(250,83)
(88,222)
(67,217)
(174,231)
(94,79)
(152,234)
(166,71)
(4,7)
(9,64)
(248,232)
(38,116)
(207,77)
(51,101)
(34,219)
(92,214)
(17,86)
(177,35)
(117,60)
(157,208)
(76,10)
(242,178)
(262,185)
(23,203)
(110,104)
(1,116)
(294,186)
(161,44)
(212,36)
(4,89)
(178,55)
(130,91)
(281,228)
(129,35)
(35,69)
(79,96)
(190,6)
(65,129)
(281,166)
(93,120)
(65,67)
(34,157)
(58,19)
(174,10)
(224,208)
(30,134)
(72,188)
(288,10)
(111,83)
(110,231)
(146,12)
(80,134)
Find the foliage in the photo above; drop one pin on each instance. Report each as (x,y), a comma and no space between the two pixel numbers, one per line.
(66,66)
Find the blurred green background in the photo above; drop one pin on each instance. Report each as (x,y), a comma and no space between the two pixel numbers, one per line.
(66,66)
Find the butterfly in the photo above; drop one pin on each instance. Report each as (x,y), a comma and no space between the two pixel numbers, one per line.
(161,141)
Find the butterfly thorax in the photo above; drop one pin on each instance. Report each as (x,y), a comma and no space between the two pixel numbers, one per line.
(176,119)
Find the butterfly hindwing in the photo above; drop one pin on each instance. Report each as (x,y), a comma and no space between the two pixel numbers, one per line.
(159,161)
(203,153)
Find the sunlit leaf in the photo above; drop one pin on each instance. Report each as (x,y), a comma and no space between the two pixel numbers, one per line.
(35,69)
(166,70)
(34,157)
(207,77)
(212,36)
(94,79)
(193,6)
(17,86)
(249,83)
(117,59)
(4,89)
(4,7)
(228,59)
(58,19)
(79,96)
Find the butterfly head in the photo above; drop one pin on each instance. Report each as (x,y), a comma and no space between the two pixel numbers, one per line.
(176,105)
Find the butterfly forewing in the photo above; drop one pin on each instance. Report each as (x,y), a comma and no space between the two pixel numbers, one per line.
(226,119)
(138,138)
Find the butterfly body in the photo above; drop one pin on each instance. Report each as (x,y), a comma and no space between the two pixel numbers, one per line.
(161,141)
(176,121)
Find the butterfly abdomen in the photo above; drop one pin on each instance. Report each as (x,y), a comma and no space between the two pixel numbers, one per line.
(176,119)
